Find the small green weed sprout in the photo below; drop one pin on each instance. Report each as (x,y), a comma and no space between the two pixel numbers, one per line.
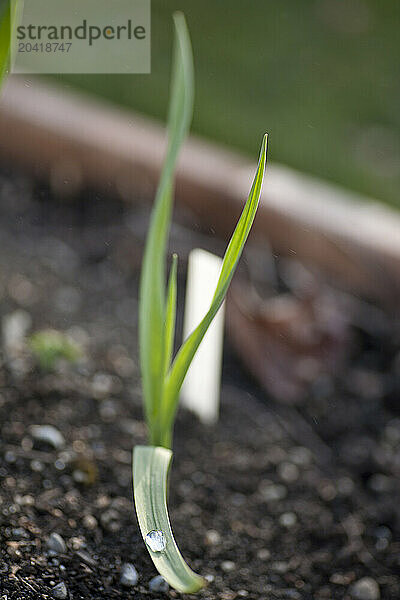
(163,375)
(50,346)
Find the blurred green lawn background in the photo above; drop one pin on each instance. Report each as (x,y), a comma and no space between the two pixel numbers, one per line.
(322,76)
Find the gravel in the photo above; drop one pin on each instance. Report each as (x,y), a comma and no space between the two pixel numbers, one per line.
(47,434)
(365,589)
(60,591)
(158,584)
(129,575)
(56,544)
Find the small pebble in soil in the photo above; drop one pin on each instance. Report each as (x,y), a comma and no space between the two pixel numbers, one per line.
(77,542)
(19,533)
(300,456)
(60,591)
(288,519)
(10,457)
(280,567)
(327,490)
(365,589)
(129,575)
(86,558)
(272,492)
(288,472)
(345,486)
(37,466)
(227,566)
(56,544)
(110,520)
(213,537)
(15,326)
(155,540)
(79,476)
(108,410)
(341,579)
(158,584)
(383,536)
(102,385)
(89,522)
(47,434)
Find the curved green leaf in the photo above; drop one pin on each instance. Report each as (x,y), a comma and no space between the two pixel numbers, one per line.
(233,252)
(170,314)
(152,301)
(150,475)
(7,21)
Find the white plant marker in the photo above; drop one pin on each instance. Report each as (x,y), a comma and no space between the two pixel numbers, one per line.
(201,387)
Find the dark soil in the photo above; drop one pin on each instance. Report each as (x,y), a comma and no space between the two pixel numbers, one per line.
(286,502)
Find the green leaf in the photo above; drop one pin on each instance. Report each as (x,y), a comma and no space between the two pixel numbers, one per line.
(152,309)
(232,255)
(150,474)
(5,38)
(170,316)
(9,16)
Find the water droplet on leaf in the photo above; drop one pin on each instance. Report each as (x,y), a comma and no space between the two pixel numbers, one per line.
(155,540)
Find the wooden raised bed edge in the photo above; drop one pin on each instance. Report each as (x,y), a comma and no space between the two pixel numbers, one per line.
(76,140)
